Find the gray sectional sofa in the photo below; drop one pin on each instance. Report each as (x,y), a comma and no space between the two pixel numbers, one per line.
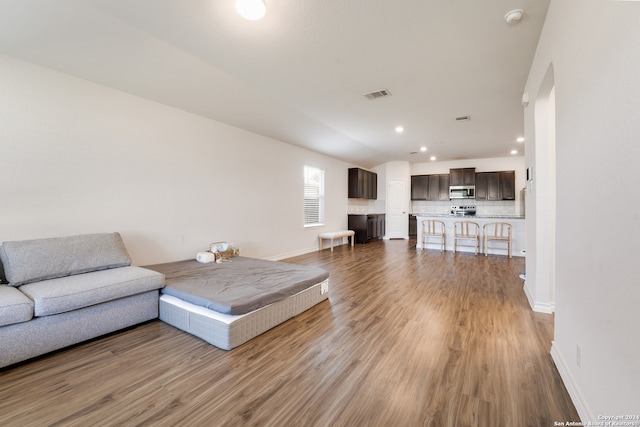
(61,291)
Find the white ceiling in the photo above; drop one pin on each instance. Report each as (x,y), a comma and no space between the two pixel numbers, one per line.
(298,75)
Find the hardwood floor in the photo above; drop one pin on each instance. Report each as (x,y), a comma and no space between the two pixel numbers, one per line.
(407,338)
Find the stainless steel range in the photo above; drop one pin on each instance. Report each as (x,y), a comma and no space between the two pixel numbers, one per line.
(462,211)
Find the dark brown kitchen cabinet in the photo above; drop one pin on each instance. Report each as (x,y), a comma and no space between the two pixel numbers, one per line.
(488,186)
(482,182)
(419,187)
(463,176)
(444,187)
(362,184)
(367,227)
(508,185)
(495,185)
(430,187)
(434,187)
(413,226)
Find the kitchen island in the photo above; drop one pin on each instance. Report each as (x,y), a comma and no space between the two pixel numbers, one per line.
(517,232)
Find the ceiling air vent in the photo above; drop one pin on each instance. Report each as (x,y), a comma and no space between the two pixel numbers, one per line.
(463,118)
(377,94)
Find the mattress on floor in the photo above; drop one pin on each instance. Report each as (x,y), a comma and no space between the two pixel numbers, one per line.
(238,286)
(227,331)
(228,304)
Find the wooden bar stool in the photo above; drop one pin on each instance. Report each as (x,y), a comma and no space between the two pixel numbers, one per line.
(433,229)
(497,232)
(466,231)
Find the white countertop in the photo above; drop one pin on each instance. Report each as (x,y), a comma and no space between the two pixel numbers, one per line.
(469,217)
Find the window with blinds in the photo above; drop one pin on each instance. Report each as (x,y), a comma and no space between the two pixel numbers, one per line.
(313,196)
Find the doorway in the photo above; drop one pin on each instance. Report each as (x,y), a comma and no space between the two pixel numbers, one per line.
(541,251)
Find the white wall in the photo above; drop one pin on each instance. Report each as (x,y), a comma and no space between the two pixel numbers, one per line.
(592,46)
(76,157)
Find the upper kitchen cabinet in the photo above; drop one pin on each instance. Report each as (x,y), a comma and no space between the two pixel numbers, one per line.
(419,187)
(430,187)
(444,181)
(482,185)
(362,184)
(496,185)
(462,176)
(434,187)
(508,185)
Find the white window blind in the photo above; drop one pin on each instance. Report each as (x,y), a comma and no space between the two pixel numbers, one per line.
(313,196)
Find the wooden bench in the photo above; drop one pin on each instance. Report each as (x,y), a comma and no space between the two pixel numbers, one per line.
(350,234)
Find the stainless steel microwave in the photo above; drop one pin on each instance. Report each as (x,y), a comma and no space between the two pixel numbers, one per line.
(462,192)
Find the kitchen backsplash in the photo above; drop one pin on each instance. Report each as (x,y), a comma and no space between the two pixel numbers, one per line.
(483,207)
(363,206)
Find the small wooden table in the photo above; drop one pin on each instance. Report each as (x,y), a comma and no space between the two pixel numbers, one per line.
(350,234)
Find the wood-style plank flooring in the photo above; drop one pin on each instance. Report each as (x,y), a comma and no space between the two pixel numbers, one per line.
(407,338)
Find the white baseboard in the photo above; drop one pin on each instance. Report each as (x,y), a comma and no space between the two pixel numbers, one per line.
(544,307)
(292,254)
(539,307)
(574,391)
(532,302)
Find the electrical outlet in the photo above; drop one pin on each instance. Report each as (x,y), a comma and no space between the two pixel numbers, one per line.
(578,356)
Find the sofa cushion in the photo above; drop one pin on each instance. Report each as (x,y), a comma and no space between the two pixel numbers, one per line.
(82,290)
(15,307)
(29,261)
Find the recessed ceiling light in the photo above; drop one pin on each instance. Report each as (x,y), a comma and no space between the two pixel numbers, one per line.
(520,139)
(423,149)
(433,158)
(252,10)
(399,129)
(514,151)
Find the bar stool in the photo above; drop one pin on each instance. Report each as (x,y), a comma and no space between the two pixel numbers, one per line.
(466,231)
(433,229)
(497,232)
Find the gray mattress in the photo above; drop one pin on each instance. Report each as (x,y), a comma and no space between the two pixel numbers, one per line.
(238,286)
(227,331)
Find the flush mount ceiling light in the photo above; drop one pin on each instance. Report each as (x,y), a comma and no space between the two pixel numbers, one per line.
(514,16)
(251,9)
(423,149)
(514,152)
(433,158)
(520,139)
(399,129)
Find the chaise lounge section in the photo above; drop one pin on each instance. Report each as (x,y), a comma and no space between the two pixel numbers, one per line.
(61,291)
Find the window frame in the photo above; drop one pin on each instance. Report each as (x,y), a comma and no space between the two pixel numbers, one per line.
(313,189)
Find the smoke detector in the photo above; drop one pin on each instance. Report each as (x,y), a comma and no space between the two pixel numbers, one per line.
(514,16)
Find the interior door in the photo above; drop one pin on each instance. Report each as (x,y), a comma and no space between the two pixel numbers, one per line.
(397,226)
